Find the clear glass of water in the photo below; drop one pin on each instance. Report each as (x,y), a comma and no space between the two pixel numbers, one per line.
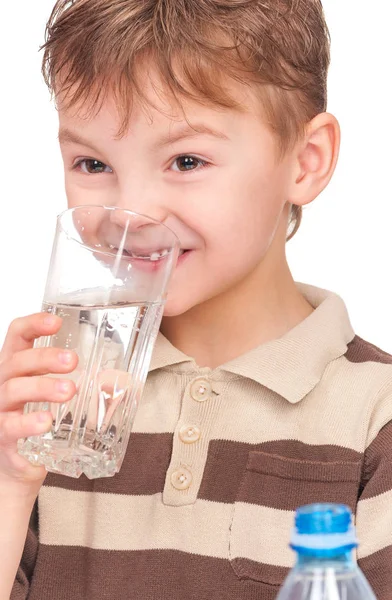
(108,280)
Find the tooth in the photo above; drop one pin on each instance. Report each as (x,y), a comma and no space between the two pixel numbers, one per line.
(155,256)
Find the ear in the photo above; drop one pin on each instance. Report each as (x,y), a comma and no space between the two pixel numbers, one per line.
(315,159)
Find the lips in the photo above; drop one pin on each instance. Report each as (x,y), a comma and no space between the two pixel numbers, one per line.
(153,256)
(146,255)
(183,255)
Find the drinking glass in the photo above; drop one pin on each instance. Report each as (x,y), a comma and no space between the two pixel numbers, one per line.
(108,280)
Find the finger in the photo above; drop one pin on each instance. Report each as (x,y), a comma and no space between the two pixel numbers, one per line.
(15,393)
(109,392)
(113,382)
(23,331)
(20,469)
(38,361)
(16,427)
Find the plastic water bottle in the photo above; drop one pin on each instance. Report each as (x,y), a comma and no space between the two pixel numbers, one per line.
(324,539)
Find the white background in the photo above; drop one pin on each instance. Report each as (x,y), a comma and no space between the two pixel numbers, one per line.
(344,243)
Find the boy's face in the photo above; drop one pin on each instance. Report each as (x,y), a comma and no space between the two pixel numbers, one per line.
(221,188)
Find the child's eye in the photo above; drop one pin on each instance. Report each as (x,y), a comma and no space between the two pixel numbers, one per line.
(185,163)
(90,166)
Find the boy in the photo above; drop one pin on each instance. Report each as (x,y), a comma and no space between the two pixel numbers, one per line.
(208,115)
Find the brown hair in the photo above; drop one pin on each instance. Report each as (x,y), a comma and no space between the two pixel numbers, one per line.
(281,45)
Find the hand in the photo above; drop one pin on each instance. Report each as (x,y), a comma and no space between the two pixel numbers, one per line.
(22,371)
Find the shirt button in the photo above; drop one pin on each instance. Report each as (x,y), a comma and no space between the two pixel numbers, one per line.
(201,390)
(189,435)
(181,479)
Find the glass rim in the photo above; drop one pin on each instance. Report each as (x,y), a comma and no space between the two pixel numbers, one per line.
(176,244)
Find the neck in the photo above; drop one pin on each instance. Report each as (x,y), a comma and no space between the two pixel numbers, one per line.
(262,307)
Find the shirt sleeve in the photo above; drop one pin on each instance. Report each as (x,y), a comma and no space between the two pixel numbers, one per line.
(21,587)
(374,515)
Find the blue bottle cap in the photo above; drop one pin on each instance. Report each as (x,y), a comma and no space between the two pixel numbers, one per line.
(323,529)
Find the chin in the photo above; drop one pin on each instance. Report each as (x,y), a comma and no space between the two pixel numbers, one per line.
(175,308)
(178,303)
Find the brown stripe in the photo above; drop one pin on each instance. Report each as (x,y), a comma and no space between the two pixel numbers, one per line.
(378,460)
(285,484)
(148,459)
(288,468)
(227,463)
(378,572)
(249,569)
(360,351)
(143,471)
(144,575)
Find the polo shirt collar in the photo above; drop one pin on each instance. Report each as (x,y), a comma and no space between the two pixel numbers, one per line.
(291,365)
(166,355)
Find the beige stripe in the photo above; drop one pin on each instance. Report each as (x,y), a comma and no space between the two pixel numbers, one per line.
(337,411)
(250,413)
(160,405)
(116,522)
(374,524)
(262,534)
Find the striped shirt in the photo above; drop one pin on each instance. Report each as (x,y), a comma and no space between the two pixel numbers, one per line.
(217,463)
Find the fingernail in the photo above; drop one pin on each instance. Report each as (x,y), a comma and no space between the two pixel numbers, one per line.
(66,358)
(63,387)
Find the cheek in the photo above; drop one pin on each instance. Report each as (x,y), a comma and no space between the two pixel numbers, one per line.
(83,193)
(75,195)
(247,212)
(237,219)
(236,237)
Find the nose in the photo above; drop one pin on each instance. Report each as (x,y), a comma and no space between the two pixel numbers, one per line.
(130,220)
(136,230)
(142,197)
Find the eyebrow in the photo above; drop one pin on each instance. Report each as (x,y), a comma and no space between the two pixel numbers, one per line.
(67,136)
(189,131)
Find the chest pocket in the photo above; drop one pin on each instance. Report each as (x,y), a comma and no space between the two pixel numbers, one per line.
(272,487)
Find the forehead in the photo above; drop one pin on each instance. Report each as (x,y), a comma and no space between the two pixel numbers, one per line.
(158,108)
